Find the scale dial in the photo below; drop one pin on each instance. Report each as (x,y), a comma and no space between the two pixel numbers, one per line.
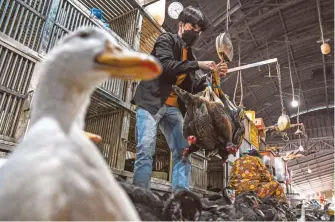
(175,8)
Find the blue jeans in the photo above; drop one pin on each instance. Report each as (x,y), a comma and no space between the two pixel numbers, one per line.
(170,121)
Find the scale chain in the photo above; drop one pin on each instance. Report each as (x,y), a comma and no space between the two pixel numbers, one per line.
(280,89)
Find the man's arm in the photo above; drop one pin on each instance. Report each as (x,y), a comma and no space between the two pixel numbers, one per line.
(165,54)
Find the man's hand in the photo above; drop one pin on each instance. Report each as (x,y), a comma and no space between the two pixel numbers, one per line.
(207,65)
(210,65)
(223,69)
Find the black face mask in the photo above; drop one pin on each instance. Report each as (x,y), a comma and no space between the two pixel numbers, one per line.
(190,37)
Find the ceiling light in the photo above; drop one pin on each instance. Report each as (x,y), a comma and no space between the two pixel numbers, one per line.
(309,170)
(294,103)
(301,148)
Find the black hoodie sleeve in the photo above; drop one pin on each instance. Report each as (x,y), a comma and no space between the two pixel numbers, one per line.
(164,53)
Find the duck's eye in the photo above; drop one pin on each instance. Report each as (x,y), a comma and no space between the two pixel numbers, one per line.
(118,49)
(84,35)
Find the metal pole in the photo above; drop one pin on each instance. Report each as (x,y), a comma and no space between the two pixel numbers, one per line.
(252,65)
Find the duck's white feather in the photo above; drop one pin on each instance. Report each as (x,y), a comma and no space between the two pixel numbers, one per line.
(50,170)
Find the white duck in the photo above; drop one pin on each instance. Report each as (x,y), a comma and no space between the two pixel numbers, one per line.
(57,173)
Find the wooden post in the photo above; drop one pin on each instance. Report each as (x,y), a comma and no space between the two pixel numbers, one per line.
(126,115)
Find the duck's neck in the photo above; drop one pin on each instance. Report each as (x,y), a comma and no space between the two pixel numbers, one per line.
(62,101)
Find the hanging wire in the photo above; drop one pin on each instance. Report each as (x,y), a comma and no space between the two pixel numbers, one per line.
(298,113)
(289,67)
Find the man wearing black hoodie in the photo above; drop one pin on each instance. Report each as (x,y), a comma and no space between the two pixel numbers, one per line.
(157,104)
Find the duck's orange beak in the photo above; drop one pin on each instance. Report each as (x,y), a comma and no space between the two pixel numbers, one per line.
(125,64)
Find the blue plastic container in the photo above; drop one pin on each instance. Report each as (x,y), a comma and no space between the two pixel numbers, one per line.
(97,12)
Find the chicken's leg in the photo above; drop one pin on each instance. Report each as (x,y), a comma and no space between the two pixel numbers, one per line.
(192,146)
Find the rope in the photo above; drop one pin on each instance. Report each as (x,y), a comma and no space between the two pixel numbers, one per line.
(285,137)
(289,68)
(267,55)
(240,75)
(298,108)
(239,80)
(237,76)
(228,17)
(235,90)
(241,84)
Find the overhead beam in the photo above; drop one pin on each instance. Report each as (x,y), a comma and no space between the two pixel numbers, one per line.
(269,97)
(328,154)
(253,10)
(222,18)
(267,68)
(313,167)
(268,14)
(313,175)
(278,46)
(312,110)
(297,141)
(315,171)
(255,43)
(255,97)
(327,179)
(305,187)
(312,190)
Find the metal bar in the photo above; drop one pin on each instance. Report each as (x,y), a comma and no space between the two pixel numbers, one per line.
(32,9)
(37,38)
(149,3)
(26,14)
(48,27)
(252,65)
(29,29)
(4,12)
(8,61)
(18,23)
(15,17)
(18,48)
